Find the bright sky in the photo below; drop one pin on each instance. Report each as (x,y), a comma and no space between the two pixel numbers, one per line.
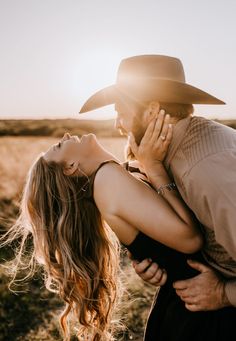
(54,54)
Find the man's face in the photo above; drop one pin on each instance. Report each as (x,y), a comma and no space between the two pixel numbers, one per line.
(130,118)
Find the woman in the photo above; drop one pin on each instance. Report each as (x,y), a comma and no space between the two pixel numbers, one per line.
(76,199)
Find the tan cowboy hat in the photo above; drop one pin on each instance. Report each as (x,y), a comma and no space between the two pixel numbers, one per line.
(150,78)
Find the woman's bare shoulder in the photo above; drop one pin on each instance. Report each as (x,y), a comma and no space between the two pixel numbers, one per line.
(108,173)
(110,184)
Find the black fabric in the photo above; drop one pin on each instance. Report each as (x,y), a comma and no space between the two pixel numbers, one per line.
(169,320)
(88,194)
(144,247)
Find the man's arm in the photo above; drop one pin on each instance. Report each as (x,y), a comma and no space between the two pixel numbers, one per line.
(203,292)
(213,203)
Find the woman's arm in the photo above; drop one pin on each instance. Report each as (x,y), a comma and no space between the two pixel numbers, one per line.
(150,154)
(123,200)
(159,177)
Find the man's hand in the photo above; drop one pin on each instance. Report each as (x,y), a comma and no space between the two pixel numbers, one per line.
(204,291)
(150,272)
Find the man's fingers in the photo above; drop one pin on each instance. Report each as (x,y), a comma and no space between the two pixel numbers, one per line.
(189,299)
(188,283)
(198,266)
(181,285)
(187,296)
(192,307)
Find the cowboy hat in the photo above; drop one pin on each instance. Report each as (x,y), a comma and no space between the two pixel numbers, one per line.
(149,78)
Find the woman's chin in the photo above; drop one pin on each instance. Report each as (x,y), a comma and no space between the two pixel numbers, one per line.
(89,136)
(92,136)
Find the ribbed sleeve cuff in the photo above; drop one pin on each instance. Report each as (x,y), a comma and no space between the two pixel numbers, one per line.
(230,290)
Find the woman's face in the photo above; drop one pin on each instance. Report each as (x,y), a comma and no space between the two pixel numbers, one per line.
(71,149)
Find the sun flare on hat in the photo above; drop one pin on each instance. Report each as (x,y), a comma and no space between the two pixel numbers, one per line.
(150,78)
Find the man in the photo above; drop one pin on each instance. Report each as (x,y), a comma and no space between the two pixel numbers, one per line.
(201,159)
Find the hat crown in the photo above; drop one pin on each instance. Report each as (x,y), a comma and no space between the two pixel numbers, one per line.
(150,67)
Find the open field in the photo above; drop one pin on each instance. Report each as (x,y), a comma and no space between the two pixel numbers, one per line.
(47,127)
(56,128)
(32,316)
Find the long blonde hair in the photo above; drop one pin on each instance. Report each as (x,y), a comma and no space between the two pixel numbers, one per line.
(79,253)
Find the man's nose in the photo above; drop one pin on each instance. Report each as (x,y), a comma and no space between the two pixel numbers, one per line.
(117,123)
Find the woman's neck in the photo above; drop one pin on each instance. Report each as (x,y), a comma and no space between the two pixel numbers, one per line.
(101,156)
(104,156)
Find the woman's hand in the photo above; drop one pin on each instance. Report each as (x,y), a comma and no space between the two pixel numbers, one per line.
(149,271)
(155,142)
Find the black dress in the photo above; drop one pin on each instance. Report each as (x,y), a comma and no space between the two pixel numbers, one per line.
(169,320)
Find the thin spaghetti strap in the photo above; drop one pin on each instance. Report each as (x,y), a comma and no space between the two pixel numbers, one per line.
(104,163)
(92,177)
(89,191)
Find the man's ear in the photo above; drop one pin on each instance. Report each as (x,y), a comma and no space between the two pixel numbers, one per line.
(70,168)
(151,111)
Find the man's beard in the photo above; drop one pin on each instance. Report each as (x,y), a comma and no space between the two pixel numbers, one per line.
(138,132)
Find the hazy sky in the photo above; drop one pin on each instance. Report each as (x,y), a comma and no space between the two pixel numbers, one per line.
(54,54)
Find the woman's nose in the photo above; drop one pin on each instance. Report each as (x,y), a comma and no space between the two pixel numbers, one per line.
(66,137)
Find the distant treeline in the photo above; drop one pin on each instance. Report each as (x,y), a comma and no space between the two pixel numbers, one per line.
(229,123)
(57,127)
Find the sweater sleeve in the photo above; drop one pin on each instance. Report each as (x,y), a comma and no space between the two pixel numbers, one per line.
(210,187)
(230,290)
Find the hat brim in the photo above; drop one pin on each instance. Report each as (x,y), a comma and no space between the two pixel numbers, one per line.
(161,90)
